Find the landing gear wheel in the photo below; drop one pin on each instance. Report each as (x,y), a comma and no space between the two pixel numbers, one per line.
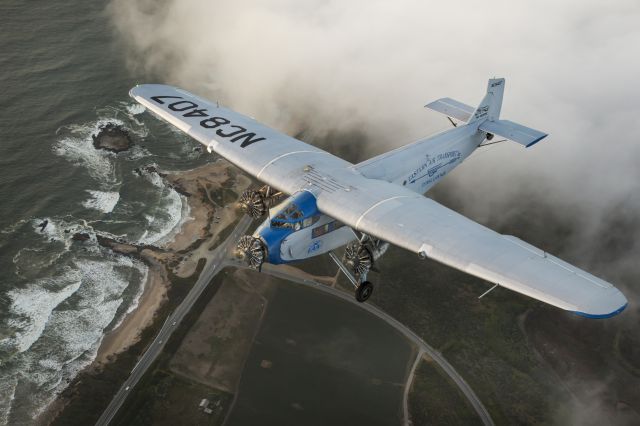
(364,291)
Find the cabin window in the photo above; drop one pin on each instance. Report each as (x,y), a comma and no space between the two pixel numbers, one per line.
(310,221)
(325,229)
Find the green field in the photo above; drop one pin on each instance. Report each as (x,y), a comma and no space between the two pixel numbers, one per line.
(167,399)
(436,400)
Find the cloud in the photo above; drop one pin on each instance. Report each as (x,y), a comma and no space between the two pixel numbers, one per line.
(362,70)
(369,65)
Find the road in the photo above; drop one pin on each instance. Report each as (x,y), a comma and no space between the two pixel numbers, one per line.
(220,259)
(213,266)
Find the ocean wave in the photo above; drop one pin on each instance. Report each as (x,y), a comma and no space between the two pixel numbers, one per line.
(167,218)
(102,200)
(76,144)
(78,148)
(64,321)
(7,395)
(135,108)
(32,308)
(136,152)
(127,112)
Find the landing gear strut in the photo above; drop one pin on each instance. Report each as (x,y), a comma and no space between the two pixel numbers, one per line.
(363,288)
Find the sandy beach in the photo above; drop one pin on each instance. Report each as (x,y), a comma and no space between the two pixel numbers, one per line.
(210,192)
(191,242)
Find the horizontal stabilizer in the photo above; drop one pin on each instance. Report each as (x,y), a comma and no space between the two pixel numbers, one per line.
(513,131)
(452,108)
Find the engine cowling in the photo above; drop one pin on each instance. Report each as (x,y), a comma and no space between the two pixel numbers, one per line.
(252,251)
(256,203)
(360,256)
(253,204)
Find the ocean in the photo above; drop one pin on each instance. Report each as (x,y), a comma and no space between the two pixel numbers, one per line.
(62,77)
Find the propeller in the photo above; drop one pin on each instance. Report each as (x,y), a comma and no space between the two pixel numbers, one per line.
(251,250)
(358,258)
(253,204)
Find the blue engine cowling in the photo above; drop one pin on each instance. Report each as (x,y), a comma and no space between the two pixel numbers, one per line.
(293,214)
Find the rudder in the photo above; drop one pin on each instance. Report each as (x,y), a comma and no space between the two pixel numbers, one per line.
(489,108)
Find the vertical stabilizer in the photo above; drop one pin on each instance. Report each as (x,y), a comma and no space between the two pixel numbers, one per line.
(489,108)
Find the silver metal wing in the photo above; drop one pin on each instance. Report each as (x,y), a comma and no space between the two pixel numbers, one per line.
(260,151)
(425,227)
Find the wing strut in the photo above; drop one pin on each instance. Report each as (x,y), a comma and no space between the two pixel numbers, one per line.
(487,292)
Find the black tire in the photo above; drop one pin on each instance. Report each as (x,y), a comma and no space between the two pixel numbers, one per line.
(364,291)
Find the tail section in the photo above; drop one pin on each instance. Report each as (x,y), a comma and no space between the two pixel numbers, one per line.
(487,116)
(489,108)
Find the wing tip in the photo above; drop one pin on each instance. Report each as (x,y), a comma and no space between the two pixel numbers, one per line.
(536,141)
(602,316)
(139,88)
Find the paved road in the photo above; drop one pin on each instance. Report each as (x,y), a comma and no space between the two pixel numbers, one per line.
(213,266)
(433,353)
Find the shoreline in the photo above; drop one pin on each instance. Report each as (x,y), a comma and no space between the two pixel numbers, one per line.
(176,247)
(178,255)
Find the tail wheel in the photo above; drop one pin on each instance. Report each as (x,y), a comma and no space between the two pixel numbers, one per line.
(358,258)
(364,291)
(252,251)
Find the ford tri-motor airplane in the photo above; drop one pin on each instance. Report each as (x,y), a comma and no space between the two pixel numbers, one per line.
(367,206)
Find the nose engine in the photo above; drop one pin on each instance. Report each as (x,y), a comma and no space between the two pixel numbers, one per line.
(252,251)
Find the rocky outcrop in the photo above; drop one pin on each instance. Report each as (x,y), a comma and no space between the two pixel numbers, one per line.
(112,137)
(80,236)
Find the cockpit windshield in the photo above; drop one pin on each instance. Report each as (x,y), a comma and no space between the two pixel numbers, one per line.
(296,212)
(290,217)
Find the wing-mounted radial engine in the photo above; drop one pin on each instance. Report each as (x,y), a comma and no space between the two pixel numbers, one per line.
(251,250)
(256,203)
(359,258)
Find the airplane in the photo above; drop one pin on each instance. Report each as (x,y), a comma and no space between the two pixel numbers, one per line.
(315,202)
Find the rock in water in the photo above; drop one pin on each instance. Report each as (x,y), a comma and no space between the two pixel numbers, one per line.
(112,137)
(43,225)
(80,236)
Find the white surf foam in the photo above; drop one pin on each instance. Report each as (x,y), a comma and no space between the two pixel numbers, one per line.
(144,274)
(135,109)
(32,308)
(102,200)
(126,112)
(78,148)
(67,341)
(7,395)
(167,217)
